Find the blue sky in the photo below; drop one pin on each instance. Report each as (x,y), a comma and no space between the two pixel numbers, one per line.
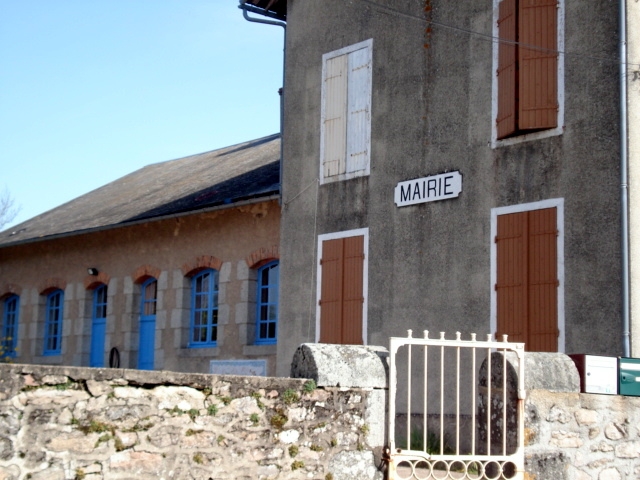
(91,90)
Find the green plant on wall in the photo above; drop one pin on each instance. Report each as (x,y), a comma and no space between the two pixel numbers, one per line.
(7,350)
(198,458)
(293,451)
(290,396)
(278,420)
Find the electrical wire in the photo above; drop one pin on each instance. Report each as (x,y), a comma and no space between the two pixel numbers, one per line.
(492,38)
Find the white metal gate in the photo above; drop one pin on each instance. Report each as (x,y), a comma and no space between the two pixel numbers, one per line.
(463,403)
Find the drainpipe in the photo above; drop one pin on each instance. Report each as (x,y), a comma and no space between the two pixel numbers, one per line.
(624,179)
(245,13)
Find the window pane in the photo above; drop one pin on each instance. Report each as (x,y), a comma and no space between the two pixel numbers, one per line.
(202,302)
(204,315)
(214,334)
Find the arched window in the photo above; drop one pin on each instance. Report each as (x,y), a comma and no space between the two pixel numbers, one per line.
(204,309)
(10,313)
(53,323)
(267,304)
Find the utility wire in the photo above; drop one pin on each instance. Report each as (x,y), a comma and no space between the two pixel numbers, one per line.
(491,38)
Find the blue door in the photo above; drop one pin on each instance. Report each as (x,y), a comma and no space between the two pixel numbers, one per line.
(98,326)
(146,348)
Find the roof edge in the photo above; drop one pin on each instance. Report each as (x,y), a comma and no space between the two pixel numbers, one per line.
(141,221)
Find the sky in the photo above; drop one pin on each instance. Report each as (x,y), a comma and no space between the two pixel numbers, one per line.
(91,90)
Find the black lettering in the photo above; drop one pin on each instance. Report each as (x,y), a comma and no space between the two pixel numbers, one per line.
(447,184)
(431,188)
(416,191)
(404,195)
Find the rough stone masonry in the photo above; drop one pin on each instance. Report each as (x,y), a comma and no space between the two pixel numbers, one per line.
(78,423)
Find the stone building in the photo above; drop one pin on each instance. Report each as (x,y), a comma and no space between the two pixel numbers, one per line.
(460,166)
(171,267)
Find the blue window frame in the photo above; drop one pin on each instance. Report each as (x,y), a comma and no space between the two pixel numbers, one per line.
(53,323)
(204,309)
(98,326)
(267,304)
(10,314)
(146,347)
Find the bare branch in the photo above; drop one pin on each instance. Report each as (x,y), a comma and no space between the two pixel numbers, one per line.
(8,209)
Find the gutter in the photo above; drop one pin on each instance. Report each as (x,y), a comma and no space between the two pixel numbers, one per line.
(624,180)
(249,8)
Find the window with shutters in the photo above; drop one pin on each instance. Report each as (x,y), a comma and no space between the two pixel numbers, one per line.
(528,82)
(528,277)
(345,142)
(342,287)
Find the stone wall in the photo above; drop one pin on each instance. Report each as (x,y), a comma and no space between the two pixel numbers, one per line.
(581,436)
(80,423)
(576,436)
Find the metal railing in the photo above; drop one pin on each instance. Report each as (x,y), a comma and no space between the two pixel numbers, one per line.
(461,418)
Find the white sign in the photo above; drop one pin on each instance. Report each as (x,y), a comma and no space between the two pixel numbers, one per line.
(238,367)
(428,189)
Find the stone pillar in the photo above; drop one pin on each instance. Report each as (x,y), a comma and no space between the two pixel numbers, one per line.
(350,367)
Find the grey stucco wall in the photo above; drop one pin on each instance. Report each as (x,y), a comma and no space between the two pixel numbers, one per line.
(429,264)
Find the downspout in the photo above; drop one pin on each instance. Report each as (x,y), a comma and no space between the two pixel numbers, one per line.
(243,7)
(624,180)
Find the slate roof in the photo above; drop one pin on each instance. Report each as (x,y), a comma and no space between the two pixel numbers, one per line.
(225,176)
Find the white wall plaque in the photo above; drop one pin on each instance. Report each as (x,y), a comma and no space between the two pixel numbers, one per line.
(238,367)
(428,189)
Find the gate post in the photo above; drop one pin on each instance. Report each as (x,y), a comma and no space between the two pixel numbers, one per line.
(351,367)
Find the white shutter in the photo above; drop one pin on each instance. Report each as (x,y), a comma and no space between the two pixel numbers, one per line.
(335,116)
(359,106)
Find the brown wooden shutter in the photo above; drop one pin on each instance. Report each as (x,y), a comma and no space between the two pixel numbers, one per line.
(331,291)
(341,291)
(538,67)
(512,265)
(507,71)
(527,279)
(543,281)
(352,290)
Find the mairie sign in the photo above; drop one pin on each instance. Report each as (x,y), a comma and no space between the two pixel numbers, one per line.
(428,189)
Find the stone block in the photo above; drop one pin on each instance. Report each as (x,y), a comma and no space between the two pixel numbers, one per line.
(243,270)
(350,465)
(225,273)
(352,366)
(550,371)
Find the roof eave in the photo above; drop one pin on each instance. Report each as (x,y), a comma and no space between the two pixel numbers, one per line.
(250,201)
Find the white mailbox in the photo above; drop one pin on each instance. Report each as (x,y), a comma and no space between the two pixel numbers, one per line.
(597,374)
